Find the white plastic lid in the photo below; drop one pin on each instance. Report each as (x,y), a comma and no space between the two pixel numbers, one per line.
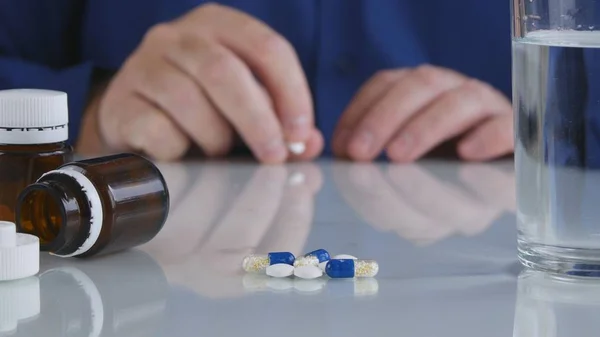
(33,116)
(19,253)
(19,300)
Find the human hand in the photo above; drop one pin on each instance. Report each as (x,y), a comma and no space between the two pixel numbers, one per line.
(407,112)
(201,79)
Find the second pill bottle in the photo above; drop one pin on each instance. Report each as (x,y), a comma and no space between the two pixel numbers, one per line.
(33,140)
(95,206)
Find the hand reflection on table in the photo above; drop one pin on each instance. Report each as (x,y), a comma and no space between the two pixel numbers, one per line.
(551,306)
(422,208)
(218,216)
(119,295)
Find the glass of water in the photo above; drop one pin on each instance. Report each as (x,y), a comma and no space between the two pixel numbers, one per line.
(556,98)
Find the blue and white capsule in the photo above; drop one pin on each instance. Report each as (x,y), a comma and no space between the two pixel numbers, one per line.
(313,258)
(256,263)
(351,268)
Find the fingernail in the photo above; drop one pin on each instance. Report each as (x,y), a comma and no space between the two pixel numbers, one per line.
(297,126)
(362,143)
(275,151)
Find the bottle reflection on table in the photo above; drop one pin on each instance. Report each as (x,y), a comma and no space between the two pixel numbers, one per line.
(117,295)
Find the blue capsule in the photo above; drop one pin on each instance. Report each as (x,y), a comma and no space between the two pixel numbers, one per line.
(351,268)
(281,257)
(320,254)
(258,263)
(317,258)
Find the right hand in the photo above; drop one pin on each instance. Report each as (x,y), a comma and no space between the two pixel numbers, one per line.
(201,79)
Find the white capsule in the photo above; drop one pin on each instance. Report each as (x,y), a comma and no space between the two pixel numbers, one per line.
(280,270)
(308,272)
(322,265)
(344,257)
(297,148)
(310,260)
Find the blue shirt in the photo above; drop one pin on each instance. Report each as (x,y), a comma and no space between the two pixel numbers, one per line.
(57,44)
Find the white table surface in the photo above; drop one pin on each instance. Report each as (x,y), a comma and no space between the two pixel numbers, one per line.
(443,233)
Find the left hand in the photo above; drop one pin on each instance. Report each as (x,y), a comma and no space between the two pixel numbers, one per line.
(408,112)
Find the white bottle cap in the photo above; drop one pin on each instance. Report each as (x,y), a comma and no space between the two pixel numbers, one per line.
(19,300)
(32,116)
(19,253)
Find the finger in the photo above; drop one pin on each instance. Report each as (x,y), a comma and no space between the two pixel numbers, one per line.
(183,100)
(367,95)
(451,114)
(493,138)
(272,58)
(147,129)
(314,147)
(234,91)
(408,96)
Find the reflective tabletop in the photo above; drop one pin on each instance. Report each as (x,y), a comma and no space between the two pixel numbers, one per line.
(442,232)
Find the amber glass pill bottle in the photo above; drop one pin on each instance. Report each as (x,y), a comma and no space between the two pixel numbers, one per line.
(33,140)
(95,206)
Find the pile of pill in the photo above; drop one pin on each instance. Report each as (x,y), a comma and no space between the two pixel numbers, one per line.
(310,266)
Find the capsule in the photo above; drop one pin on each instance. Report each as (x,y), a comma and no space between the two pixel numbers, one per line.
(351,268)
(258,263)
(313,258)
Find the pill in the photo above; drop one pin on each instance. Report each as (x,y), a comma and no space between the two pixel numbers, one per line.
(297,148)
(308,272)
(312,259)
(258,263)
(306,261)
(351,268)
(321,254)
(280,270)
(323,265)
(344,257)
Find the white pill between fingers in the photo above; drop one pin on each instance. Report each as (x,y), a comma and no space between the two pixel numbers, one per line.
(308,272)
(280,270)
(344,257)
(297,148)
